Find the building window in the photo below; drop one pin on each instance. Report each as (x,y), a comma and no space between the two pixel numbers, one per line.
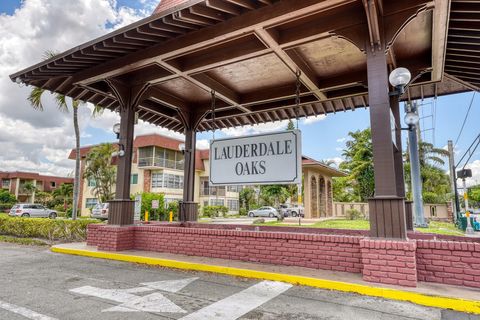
(217,202)
(234,188)
(232,205)
(5,184)
(91,202)
(205,203)
(53,184)
(91,182)
(167,180)
(134,179)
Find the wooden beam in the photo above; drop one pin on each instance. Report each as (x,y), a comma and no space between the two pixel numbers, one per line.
(235,27)
(293,62)
(439,38)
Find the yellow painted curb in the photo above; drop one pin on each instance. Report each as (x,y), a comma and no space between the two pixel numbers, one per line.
(470,306)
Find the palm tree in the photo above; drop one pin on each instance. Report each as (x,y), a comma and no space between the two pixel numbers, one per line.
(30,189)
(35,99)
(65,192)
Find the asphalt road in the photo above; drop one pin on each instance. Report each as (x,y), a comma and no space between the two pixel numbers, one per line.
(38,284)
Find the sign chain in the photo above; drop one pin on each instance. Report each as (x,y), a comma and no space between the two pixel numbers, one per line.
(298,73)
(213,113)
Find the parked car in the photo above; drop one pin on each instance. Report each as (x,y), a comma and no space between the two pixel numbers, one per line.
(100,211)
(295,211)
(32,210)
(264,212)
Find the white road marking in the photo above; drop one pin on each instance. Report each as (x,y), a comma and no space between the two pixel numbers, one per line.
(154,302)
(169,285)
(239,304)
(27,313)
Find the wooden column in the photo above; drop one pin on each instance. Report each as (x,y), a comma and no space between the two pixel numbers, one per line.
(387,208)
(188,208)
(121,209)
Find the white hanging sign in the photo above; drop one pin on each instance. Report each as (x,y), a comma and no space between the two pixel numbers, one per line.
(274,158)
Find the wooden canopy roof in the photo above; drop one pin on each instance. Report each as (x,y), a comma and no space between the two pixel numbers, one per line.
(248,52)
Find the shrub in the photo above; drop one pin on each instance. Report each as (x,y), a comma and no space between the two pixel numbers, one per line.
(243,212)
(7,197)
(50,229)
(5,207)
(354,214)
(214,211)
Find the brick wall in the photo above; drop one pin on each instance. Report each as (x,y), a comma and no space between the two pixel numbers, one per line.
(456,263)
(110,238)
(389,261)
(379,260)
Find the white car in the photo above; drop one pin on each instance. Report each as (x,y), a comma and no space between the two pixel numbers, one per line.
(264,212)
(100,211)
(295,211)
(32,210)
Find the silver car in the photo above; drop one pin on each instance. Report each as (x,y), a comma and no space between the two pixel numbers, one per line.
(264,212)
(100,211)
(32,210)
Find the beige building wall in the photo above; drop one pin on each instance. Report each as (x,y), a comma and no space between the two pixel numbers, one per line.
(318,193)
(169,193)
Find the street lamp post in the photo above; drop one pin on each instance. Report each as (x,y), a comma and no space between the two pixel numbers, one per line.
(411,119)
(399,79)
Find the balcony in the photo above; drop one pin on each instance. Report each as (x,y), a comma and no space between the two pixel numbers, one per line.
(212,191)
(157,162)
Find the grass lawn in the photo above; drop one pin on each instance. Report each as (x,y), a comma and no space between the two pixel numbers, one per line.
(24,241)
(434,226)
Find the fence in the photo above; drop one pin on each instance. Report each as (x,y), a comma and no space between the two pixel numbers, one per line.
(431,211)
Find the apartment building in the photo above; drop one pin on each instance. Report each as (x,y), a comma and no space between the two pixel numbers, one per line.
(15,182)
(157,166)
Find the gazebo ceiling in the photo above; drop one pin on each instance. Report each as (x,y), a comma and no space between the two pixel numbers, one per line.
(248,51)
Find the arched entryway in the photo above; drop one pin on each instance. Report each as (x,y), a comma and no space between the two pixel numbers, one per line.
(313,198)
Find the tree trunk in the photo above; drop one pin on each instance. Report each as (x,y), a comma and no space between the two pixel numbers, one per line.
(76,182)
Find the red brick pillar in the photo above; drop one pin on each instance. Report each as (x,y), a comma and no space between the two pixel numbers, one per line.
(147,178)
(389,261)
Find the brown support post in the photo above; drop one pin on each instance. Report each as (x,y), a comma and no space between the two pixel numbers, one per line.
(188,210)
(121,209)
(387,208)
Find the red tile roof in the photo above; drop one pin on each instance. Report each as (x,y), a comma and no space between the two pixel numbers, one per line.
(164,5)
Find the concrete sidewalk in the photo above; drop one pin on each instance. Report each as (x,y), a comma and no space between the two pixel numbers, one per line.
(427,294)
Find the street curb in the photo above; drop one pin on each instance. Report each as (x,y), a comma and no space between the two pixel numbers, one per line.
(470,306)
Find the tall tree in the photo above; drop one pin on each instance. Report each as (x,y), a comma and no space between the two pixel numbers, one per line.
(35,99)
(359,164)
(291,125)
(30,189)
(274,194)
(99,168)
(64,192)
(247,197)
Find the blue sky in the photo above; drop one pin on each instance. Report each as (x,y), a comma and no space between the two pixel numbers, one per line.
(325,139)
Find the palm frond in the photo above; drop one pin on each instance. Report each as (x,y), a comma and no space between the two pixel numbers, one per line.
(35,98)
(61,101)
(97,111)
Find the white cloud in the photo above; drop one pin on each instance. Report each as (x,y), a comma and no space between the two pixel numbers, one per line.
(310,120)
(256,129)
(41,141)
(203,144)
(338,149)
(336,161)
(340,140)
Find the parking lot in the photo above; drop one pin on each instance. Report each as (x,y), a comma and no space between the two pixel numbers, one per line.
(38,284)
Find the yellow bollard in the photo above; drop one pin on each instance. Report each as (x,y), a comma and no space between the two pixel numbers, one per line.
(146,215)
(171,216)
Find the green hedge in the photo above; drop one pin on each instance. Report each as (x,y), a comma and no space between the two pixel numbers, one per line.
(50,229)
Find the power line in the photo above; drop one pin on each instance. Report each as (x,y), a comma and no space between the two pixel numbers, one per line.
(465,120)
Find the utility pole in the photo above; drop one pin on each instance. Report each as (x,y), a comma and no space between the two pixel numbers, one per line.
(453,180)
(411,119)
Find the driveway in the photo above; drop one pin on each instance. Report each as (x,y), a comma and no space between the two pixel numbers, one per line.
(41,285)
